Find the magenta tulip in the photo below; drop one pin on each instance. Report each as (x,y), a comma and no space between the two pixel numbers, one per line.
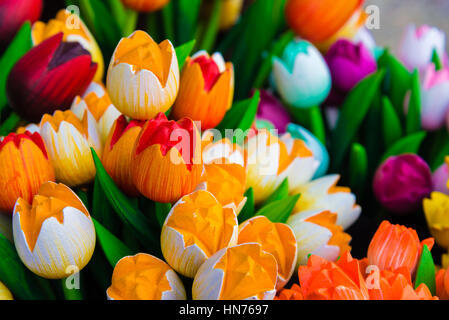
(271,110)
(402,182)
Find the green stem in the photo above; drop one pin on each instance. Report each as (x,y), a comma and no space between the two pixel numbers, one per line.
(211,30)
(167,15)
(71,294)
(131,22)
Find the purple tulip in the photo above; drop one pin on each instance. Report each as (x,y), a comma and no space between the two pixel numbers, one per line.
(402,182)
(271,110)
(440,178)
(349,63)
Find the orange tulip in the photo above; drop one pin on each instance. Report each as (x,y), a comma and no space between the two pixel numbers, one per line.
(166,162)
(396,246)
(145,5)
(117,153)
(395,285)
(24,166)
(206,90)
(319,21)
(442,284)
(324,280)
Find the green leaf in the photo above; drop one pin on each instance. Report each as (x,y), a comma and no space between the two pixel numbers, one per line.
(20,45)
(17,278)
(240,116)
(413,120)
(280,193)
(162,210)
(249,207)
(397,79)
(280,210)
(9,124)
(113,248)
(107,31)
(84,197)
(408,144)
(276,50)
(358,166)
(250,38)
(169,23)
(426,271)
(186,13)
(211,30)
(183,51)
(101,208)
(436,60)
(391,124)
(352,113)
(127,212)
(440,149)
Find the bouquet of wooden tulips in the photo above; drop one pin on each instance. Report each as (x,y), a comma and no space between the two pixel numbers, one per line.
(225,152)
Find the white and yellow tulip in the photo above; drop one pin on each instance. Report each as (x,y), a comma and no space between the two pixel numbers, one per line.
(55,235)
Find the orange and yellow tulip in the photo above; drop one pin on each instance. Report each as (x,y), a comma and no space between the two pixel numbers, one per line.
(24,166)
(323,21)
(206,90)
(74,30)
(117,153)
(5,294)
(55,236)
(144,277)
(396,246)
(166,162)
(68,141)
(275,238)
(196,228)
(442,284)
(145,5)
(244,271)
(97,102)
(143,77)
(224,172)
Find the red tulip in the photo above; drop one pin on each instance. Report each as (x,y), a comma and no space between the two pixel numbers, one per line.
(13,13)
(49,77)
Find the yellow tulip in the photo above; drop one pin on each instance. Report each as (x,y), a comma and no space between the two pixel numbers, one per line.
(5,294)
(436,210)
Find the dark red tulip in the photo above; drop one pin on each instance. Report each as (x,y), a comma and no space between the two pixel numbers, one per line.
(49,77)
(13,13)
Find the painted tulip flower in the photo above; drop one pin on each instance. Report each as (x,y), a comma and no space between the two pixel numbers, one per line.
(224,172)
(144,277)
(100,107)
(49,77)
(318,149)
(442,284)
(324,194)
(68,141)
(317,233)
(275,238)
(418,44)
(74,30)
(402,182)
(206,90)
(230,13)
(271,110)
(143,77)
(434,98)
(395,246)
(13,13)
(349,63)
(242,272)
(396,285)
(435,211)
(440,178)
(24,166)
(166,162)
(322,22)
(301,76)
(196,228)
(55,233)
(5,294)
(145,5)
(271,160)
(321,279)
(117,153)
(31,128)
